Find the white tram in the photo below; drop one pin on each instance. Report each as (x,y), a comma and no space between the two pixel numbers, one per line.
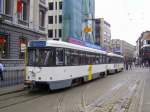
(115,63)
(60,64)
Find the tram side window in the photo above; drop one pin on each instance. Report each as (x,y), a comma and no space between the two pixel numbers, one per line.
(107,59)
(59,56)
(75,57)
(82,60)
(97,59)
(90,58)
(110,60)
(101,58)
(67,57)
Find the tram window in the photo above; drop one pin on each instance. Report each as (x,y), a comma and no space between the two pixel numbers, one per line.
(110,59)
(103,59)
(40,57)
(74,57)
(100,59)
(88,58)
(81,58)
(107,59)
(97,59)
(59,56)
(67,57)
(92,58)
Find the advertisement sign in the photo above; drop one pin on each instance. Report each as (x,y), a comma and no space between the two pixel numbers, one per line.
(2,40)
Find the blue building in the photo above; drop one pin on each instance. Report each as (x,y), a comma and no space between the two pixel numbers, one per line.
(77,15)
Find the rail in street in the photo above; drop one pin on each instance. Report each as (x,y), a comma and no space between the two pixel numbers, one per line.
(119,92)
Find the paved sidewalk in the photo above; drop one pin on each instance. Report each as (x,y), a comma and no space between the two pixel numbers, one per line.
(12,89)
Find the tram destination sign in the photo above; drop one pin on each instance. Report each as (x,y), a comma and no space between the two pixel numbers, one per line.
(37,43)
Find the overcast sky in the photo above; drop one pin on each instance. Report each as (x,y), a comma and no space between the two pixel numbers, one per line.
(128,18)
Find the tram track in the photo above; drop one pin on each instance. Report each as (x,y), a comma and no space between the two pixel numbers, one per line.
(18,98)
(60,100)
(95,96)
(10,96)
(117,100)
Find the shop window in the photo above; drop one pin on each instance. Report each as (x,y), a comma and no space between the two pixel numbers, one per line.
(23,45)
(3,46)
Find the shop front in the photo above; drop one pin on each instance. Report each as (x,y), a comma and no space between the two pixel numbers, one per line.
(3,45)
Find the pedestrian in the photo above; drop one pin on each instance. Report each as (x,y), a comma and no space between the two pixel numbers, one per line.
(130,65)
(126,65)
(1,71)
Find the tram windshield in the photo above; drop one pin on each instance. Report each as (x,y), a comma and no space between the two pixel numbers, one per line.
(40,57)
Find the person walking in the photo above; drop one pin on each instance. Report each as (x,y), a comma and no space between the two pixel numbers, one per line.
(130,65)
(126,65)
(1,71)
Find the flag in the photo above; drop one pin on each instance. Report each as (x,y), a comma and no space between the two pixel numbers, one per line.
(19,6)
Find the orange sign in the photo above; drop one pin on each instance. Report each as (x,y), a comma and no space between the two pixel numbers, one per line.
(87,29)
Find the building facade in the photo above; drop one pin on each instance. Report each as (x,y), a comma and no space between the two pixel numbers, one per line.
(103,33)
(143,47)
(20,22)
(78,20)
(55,19)
(123,48)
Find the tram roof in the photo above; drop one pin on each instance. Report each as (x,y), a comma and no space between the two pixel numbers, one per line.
(54,43)
(116,55)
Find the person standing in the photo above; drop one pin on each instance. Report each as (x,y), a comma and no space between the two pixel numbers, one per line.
(130,65)
(1,71)
(126,65)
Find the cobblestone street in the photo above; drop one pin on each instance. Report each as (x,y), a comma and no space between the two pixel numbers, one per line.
(121,92)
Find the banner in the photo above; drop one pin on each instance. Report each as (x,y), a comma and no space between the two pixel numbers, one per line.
(19,6)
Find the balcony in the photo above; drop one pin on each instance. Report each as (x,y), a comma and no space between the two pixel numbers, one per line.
(6,17)
(22,22)
(42,28)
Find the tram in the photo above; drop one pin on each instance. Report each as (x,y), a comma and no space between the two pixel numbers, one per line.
(61,65)
(115,63)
